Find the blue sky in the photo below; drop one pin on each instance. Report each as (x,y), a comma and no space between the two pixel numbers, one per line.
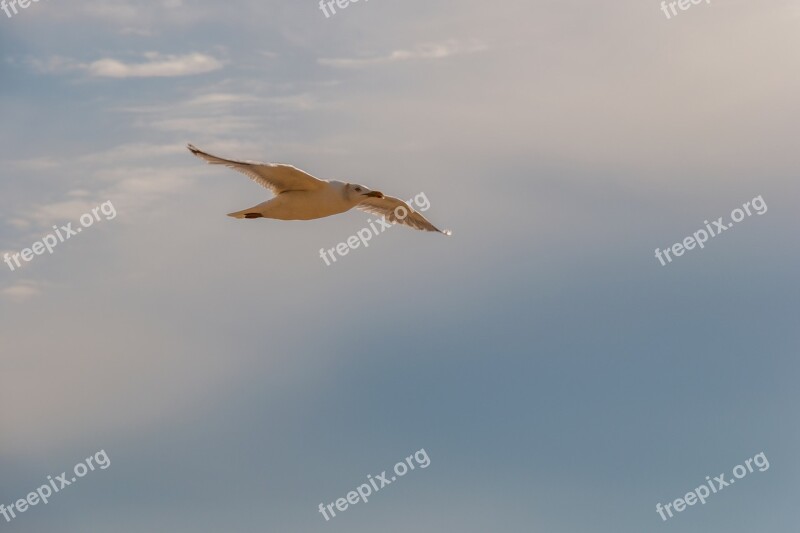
(560,379)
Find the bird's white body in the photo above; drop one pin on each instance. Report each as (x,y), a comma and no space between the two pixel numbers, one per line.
(301,196)
(305,205)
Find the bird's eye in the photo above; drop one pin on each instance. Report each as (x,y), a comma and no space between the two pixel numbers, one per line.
(358,189)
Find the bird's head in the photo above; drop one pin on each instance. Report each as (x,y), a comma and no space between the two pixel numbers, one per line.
(359,192)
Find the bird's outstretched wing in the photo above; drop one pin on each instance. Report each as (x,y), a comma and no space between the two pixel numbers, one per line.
(276,177)
(388,207)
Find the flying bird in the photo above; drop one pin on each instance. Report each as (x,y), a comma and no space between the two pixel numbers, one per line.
(301,196)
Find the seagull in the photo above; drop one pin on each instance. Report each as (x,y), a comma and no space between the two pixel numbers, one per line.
(301,196)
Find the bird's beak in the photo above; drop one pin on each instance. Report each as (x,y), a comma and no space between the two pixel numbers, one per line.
(374,194)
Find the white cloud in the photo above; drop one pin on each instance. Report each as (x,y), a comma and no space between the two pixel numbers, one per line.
(157,66)
(218,124)
(44,215)
(128,12)
(19,223)
(22,291)
(131,174)
(425,51)
(221,98)
(113,11)
(132,151)
(112,156)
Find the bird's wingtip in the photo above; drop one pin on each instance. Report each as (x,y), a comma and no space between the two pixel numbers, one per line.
(192,148)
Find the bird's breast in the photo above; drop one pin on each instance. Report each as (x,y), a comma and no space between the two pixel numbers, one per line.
(307,205)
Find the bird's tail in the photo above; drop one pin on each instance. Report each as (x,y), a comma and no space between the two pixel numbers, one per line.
(247,213)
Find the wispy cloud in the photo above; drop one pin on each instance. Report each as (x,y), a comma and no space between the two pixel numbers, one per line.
(21,291)
(130,13)
(220,112)
(221,99)
(113,156)
(217,124)
(136,175)
(156,66)
(424,51)
(137,32)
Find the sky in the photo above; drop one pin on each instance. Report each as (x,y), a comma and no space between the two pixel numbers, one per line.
(557,375)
